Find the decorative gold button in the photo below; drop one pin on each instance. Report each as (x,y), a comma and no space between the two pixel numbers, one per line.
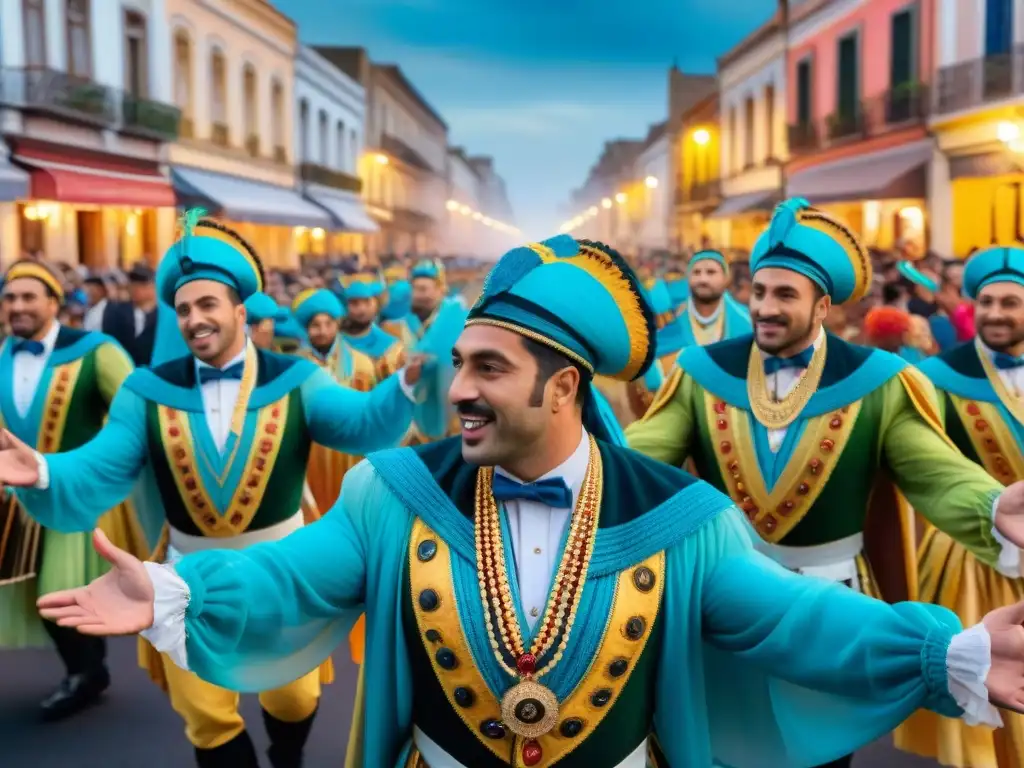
(536,550)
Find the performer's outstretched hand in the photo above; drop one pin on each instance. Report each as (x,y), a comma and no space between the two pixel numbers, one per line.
(1010,513)
(1005,681)
(18,465)
(118,603)
(414,368)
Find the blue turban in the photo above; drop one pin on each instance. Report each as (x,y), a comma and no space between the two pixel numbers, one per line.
(313,302)
(993,265)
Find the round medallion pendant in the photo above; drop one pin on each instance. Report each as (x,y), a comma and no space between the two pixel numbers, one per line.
(529,709)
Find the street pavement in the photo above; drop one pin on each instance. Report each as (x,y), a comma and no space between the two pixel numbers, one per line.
(134,727)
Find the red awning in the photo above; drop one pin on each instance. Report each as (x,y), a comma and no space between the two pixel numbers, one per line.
(65,181)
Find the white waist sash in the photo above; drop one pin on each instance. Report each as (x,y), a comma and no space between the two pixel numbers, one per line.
(185,544)
(834,561)
(435,757)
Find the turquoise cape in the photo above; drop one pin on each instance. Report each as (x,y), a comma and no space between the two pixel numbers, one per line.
(958,371)
(678,334)
(761,668)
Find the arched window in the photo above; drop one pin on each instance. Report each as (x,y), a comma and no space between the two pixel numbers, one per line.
(277,118)
(304,131)
(324,146)
(34,18)
(77,33)
(250,109)
(341,158)
(219,97)
(136,60)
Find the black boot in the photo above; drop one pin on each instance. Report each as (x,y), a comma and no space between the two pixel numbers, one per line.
(237,753)
(87,678)
(287,740)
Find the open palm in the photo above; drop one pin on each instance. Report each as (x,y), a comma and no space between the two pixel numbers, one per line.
(118,603)
(18,465)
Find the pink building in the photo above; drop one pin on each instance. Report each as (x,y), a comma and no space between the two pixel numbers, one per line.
(857,72)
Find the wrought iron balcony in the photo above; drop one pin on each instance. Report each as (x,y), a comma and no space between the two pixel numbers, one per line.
(977,82)
(150,119)
(318,174)
(60,95)
(899,108)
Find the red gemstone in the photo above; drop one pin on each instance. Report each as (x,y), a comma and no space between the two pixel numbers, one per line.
(236,518)
(54,413)
(197,500)
(526,664)
(246,499)
(973,409)
(734,466)
(271,429)
(47,444)
(64,375)
(827,445)
(171,414)
(723,424)
(60,388)
(531,753)
(991,444)
(210,520)
(50,426)
(803,488)
(725,446)
(57,400)
(981,425)
(836,423)
(266,446)
(785,507)
(815,466)
(260,464)
(254,480)
(190,483)
(769,523)
(174,431)
(275,412)
(719,407)
(179,453)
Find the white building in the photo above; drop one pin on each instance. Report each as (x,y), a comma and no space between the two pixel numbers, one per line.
(86,112)
(330,119)
(650,213)
(752,84)
(464,219)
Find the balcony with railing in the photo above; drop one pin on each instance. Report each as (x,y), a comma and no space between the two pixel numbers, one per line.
(58,95)
(150,119)
(894,110)
(978,82)
(696,194)
(311,173)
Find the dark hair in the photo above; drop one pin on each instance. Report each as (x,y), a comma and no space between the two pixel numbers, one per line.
(892,292)
(211,224)
(549,362)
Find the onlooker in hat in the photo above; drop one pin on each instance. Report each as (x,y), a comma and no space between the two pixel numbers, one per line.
(106,314)
(142,290)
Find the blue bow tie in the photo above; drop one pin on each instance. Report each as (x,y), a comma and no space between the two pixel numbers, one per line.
(1005,362)
(206,373)
(31,346)
(552,492)
(776,364)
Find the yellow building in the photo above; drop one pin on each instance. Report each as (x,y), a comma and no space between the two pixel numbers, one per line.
(697,184)
(976,179)
(233,78)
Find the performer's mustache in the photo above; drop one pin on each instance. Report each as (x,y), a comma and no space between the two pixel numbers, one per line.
(475,408)
(770,321)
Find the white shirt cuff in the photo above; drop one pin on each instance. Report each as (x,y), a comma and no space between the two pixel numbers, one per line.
(44,472)
(968,661)
(170,601)
(408,389)
(1008,563)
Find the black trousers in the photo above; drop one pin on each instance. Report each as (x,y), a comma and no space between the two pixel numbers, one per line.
(81,654)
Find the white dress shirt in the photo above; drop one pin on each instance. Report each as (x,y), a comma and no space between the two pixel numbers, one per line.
(28,370)
(140,320)
(537,530)
(93,320)
(219,399)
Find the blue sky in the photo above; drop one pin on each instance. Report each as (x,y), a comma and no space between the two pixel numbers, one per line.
(538,84)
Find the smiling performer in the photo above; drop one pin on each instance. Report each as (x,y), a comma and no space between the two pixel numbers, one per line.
(363,292)
(796,424)
(710,313)
(224,435)
(538,597)
(981,387)
(56,384)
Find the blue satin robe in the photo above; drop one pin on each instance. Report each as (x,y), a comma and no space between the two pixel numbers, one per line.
(761,668)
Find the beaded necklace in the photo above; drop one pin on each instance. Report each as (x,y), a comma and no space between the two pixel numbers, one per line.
(528,708)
